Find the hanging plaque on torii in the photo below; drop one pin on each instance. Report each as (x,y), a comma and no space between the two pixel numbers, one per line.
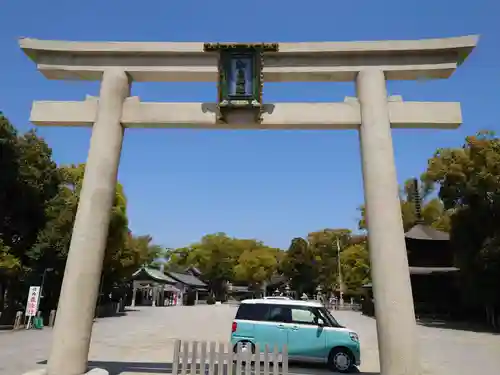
(241,78)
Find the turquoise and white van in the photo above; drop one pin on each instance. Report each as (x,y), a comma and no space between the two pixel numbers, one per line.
(308,329)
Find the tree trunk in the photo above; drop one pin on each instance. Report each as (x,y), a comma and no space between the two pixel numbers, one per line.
(494,317)
(9,311)
(491,316)
(2,296)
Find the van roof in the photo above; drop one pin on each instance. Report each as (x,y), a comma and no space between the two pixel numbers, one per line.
(292,302)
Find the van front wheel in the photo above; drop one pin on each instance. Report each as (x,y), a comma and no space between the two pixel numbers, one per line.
(341,360)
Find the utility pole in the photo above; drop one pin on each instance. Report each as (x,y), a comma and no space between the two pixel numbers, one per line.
(43,280)
(341,301)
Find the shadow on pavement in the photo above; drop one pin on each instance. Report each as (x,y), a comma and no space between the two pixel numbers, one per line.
(453,325)
(113,315)
(117,368)
(458,326)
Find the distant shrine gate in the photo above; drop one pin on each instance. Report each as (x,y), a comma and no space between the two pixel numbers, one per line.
(240,70)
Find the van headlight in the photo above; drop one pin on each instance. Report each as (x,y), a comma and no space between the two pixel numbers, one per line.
(354,336)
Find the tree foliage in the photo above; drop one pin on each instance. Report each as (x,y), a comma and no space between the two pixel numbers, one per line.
(256,265)
(30,179)
(298,266)
(315,262)
(468,179)
(9,263)
(433,210)
(222,259)
(38,202)
(327,245)
(355,265)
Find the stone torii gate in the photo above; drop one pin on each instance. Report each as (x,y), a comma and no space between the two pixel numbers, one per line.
(368,64)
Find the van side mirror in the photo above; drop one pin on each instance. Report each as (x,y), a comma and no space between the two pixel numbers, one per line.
(321,322)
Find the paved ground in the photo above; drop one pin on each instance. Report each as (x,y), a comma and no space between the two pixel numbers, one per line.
(142,340)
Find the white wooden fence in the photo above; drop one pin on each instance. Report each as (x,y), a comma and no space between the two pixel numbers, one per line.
(210,358)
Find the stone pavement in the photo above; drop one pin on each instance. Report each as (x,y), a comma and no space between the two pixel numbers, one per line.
(142,342)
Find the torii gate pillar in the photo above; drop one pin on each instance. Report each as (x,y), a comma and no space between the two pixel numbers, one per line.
(394,311)
(369,64)
(82,274)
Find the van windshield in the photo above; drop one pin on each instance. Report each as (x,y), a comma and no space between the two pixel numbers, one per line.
(329,317)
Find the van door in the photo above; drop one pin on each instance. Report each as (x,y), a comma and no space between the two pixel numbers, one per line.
(273,329)
(306,339)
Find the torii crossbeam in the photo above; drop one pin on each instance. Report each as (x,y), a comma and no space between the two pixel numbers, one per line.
(307,116)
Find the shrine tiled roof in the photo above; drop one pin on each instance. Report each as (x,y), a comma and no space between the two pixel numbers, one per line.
(426,271)
(187,279)
(147,273)
(424,232)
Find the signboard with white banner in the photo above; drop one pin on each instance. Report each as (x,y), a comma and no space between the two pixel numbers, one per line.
(33,299)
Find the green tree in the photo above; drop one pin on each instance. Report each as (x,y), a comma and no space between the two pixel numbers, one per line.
(10,265)
(29,180)
(216,256)
(124,252)
(8,262)
(256,264)
(222,259)
(469,186)
(160,257)
(138,251)
(180,259)
(355,264)
(38,202)
(433,210)
(298,265)
(326,244)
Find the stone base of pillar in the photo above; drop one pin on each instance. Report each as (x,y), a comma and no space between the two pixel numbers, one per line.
(43,371)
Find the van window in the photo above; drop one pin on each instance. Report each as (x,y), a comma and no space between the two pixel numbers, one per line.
(279,313)
(324,313)
(251,311)
(304,316)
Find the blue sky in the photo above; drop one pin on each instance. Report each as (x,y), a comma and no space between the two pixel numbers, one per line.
(182,184)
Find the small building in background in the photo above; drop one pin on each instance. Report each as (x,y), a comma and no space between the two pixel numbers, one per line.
(155,287)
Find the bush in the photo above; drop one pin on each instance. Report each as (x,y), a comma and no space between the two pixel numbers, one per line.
(210,300)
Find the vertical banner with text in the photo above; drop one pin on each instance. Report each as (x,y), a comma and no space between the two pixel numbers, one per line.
(33,298)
